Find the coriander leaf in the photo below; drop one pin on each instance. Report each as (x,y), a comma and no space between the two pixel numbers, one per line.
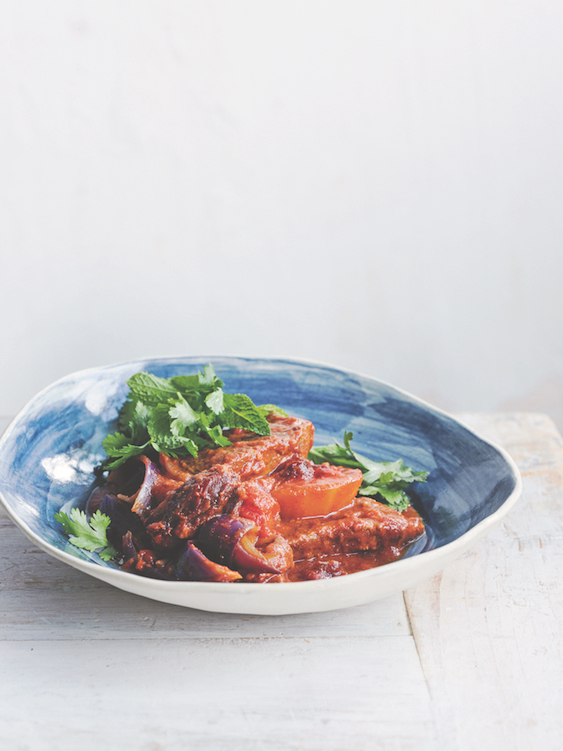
(266,409)
(133,418)
(216,435)
(183,416)
(118,445)
(208,376)
(213,432)
(241,412)
(348,435)
(215,401)
(88,536)
(385,472)
(386,480)
(159,423)
(162,436)
(397,499)
(333,453)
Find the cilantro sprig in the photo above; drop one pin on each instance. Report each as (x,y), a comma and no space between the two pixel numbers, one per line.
(91,535)
(179,416)
(386,480)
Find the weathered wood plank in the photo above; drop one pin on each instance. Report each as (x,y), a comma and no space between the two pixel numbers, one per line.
(488,628)
(214,695)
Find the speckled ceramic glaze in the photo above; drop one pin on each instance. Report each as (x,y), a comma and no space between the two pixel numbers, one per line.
(48,453)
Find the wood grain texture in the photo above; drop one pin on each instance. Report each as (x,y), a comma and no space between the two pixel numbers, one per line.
(488,627)
(215,695)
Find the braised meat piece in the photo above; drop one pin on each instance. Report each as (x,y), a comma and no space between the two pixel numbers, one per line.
(251,455)
(367,525)
(201,497)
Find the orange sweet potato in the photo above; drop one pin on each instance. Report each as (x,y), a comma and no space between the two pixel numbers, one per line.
(315,490)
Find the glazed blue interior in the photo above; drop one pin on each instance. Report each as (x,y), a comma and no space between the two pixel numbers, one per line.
(48,455)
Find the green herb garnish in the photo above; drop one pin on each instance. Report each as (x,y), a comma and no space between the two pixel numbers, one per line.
(89,536)
(387,480)
(179,416)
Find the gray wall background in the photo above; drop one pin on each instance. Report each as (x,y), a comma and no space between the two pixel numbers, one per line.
(375,185)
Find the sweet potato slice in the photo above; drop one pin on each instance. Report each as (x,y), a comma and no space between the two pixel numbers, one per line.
(306,490)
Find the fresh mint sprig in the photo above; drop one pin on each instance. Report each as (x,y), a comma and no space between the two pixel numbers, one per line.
(179,416)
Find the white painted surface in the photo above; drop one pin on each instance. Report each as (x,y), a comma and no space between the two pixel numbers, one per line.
(86,666)
(488,628)
(373,185)
(215,695)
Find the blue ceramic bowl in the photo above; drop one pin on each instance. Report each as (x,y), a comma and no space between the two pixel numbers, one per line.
(48,453)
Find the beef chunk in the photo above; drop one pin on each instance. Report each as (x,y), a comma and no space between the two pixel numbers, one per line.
(367,525)
(256,456)
(198,499)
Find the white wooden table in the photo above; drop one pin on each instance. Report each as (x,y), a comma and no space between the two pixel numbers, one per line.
(470,659)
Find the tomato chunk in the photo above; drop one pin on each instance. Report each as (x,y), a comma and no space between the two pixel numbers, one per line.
(257,504)
(305,489)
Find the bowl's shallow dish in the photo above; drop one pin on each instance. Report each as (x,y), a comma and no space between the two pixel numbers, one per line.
(48,453)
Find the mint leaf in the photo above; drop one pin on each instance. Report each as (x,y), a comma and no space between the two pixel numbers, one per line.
(175,445)
(241,412)
(150,388)
(186,383)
